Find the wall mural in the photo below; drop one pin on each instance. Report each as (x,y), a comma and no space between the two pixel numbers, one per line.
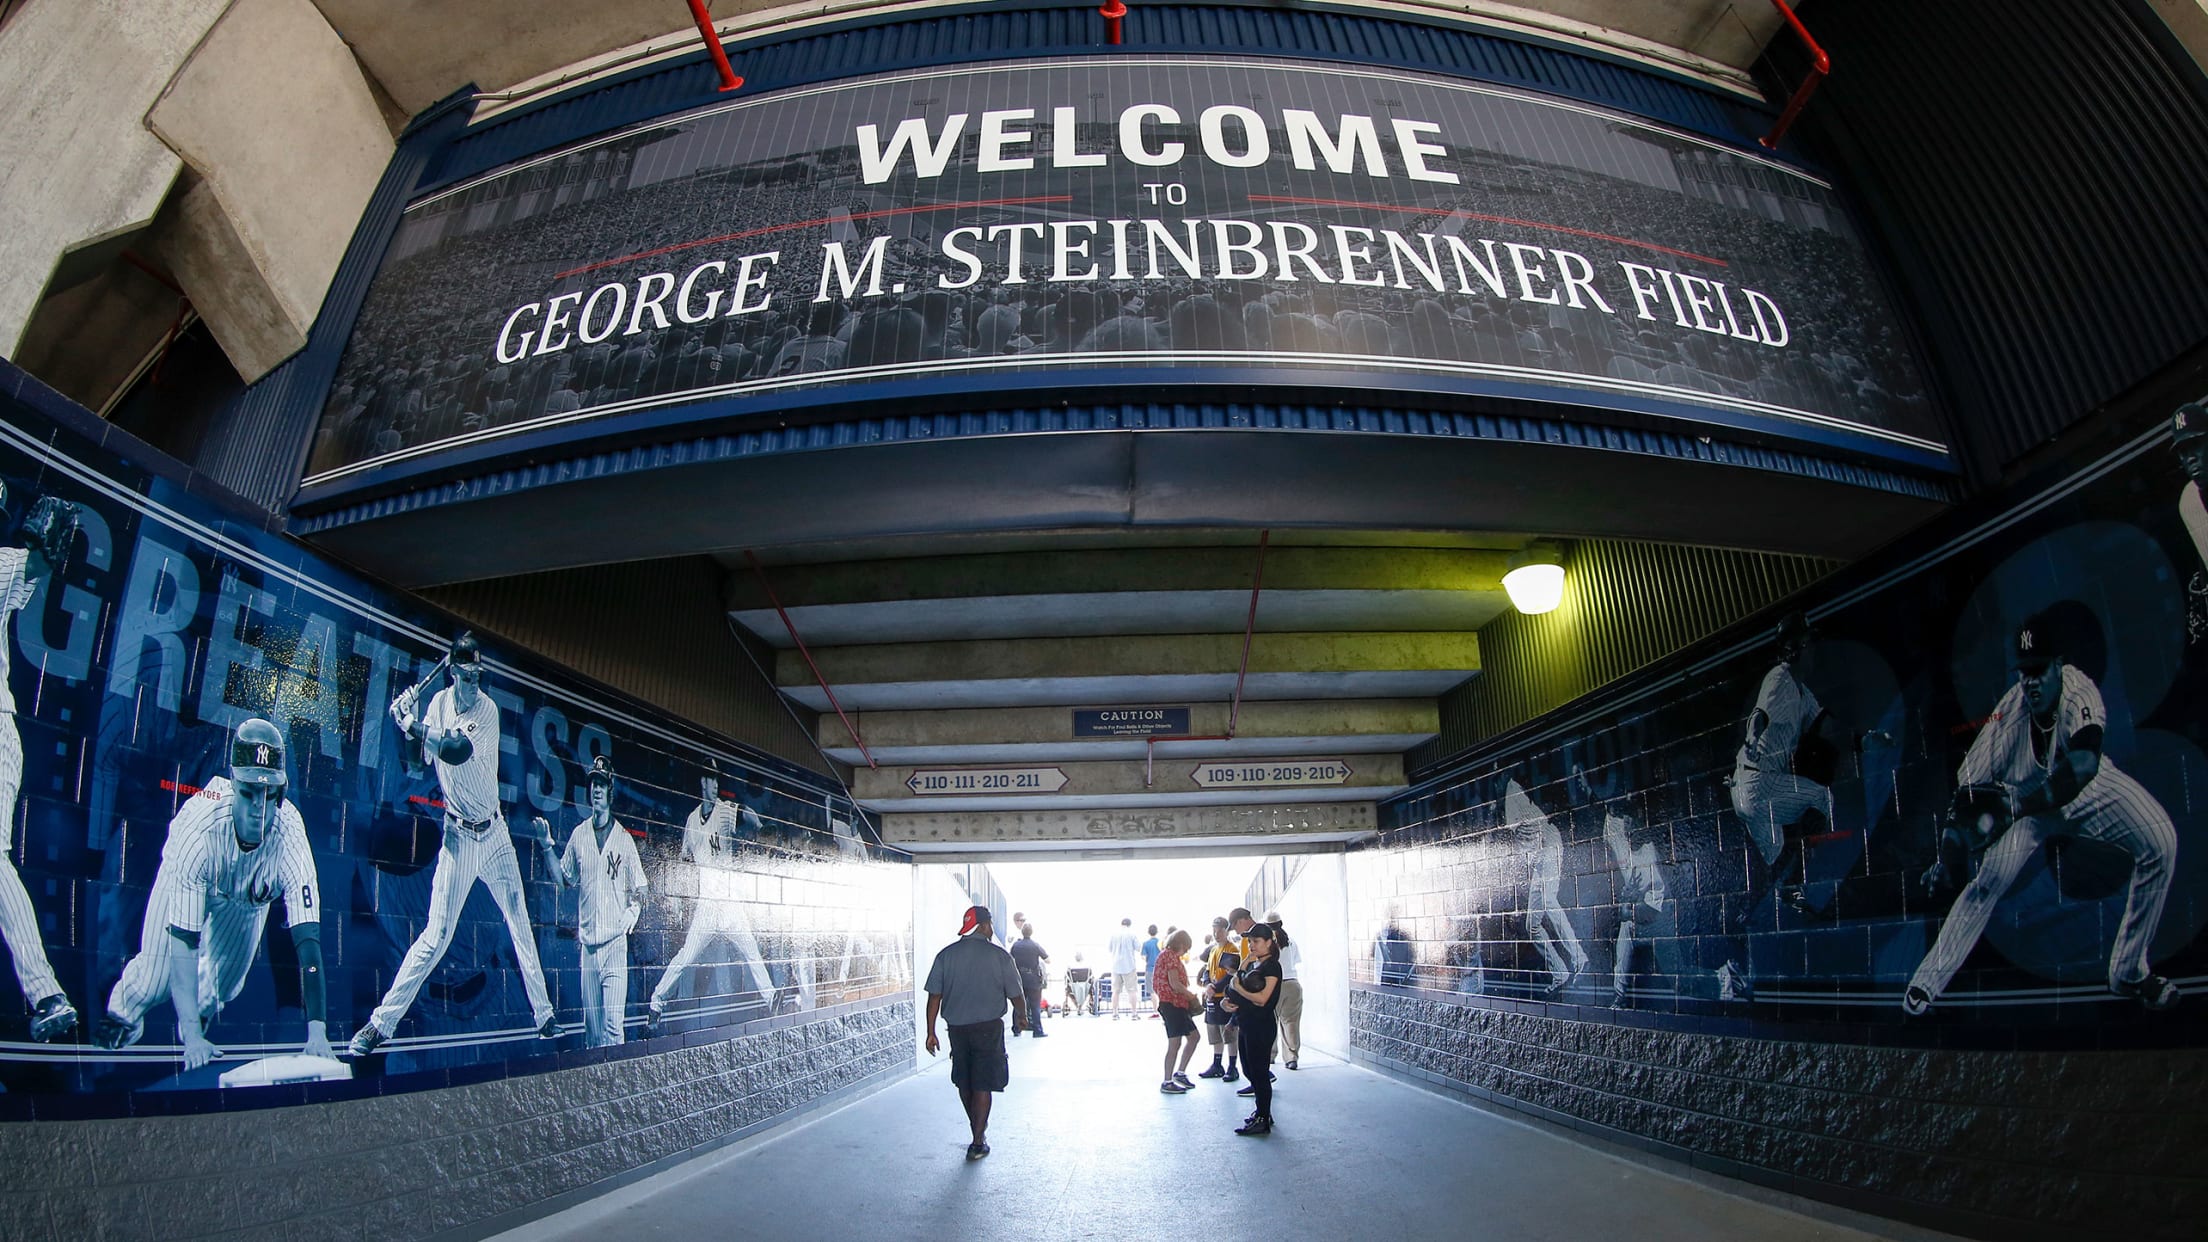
(268,822)
(1973,791)
(1311,221)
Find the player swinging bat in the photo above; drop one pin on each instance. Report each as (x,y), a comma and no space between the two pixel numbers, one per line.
(459,730)
(234,848)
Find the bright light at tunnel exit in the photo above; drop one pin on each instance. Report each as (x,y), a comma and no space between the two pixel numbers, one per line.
(1077,904)
(1535,589)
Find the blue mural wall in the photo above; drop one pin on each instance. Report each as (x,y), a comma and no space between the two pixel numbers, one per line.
(1781,828)
(148,619)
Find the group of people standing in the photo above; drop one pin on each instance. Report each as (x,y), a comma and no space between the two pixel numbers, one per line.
(1246,997)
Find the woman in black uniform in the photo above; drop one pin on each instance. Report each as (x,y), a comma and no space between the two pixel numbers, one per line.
(1252,995)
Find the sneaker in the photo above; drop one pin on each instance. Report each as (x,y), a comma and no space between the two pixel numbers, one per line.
(113,1033)
(54,1018)
(366,1040)
(1183,1080)
(1213,1072)
(1040,1035)
(1171,1087)
(975,1151)
(1249,1090)
(1232,1075)
(550,1027)
(2154,992)
(1255,1126)
(1291,1063)
(1916,1002)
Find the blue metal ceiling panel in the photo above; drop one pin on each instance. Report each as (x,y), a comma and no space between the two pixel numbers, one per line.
(1125,417)
(878,45)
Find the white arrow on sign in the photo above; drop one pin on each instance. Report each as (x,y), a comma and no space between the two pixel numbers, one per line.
(1261,773)
(928,782)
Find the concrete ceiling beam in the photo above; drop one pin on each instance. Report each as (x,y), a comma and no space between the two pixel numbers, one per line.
(1129,612)
(1120,570)
(1045,734)
(1276,824)
(1130,783)
(1134,669)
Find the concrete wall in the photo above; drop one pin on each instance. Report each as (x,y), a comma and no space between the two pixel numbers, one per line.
(1755,1020)
(1316,913)
(470,1159)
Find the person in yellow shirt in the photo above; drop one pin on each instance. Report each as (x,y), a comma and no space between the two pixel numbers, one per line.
(1221,960)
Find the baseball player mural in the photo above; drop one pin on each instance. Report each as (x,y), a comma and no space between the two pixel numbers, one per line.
(1642,897)
(2189,437)
(712,837)
(459,733)
(1546,922)
(2035,772)
(601,861)
(1783,771)
(234,848)
(47,528)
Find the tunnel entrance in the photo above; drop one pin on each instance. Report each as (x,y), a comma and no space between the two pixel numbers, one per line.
(1075,903)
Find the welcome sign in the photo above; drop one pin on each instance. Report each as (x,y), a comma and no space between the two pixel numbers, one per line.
(1306,220)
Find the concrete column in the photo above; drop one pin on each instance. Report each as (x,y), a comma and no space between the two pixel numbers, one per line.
(77,166)
(284,135)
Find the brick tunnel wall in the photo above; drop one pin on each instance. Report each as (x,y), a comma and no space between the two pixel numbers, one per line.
(1752,1021)
(772,928)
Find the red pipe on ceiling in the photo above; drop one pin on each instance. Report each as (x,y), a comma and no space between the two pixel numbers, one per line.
(788,625)
(712,37)
(1820,66)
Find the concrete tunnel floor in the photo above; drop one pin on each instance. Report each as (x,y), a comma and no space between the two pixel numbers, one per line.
(1083,1145)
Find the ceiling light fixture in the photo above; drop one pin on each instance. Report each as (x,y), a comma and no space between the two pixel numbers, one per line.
(1535,581)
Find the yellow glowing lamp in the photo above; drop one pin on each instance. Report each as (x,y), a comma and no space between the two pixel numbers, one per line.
(1535,582)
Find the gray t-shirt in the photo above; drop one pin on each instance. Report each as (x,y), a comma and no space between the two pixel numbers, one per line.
(975,978)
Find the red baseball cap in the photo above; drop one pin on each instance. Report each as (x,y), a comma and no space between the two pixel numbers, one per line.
(975,917)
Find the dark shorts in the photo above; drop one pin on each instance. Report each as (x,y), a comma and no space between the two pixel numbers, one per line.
(1177,1021)
(978,1062)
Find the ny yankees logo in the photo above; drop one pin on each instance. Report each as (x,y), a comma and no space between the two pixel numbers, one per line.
(260,890)
(261,755)
(2024,640)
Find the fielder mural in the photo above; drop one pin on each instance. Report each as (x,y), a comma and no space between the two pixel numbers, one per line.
(1967,793)
(1286,222)
(267,822)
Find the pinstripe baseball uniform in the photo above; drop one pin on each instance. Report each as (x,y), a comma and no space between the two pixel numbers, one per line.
(2195,517)
(711,837)
(2111,807)
(1767,795)
(1546,921)
(18,919)
(476,847)
(212,888)
(611,878)
(1640,884)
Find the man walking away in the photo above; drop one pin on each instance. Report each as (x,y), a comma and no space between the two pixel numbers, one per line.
(1125,952)
(968,986)
(1028,957)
